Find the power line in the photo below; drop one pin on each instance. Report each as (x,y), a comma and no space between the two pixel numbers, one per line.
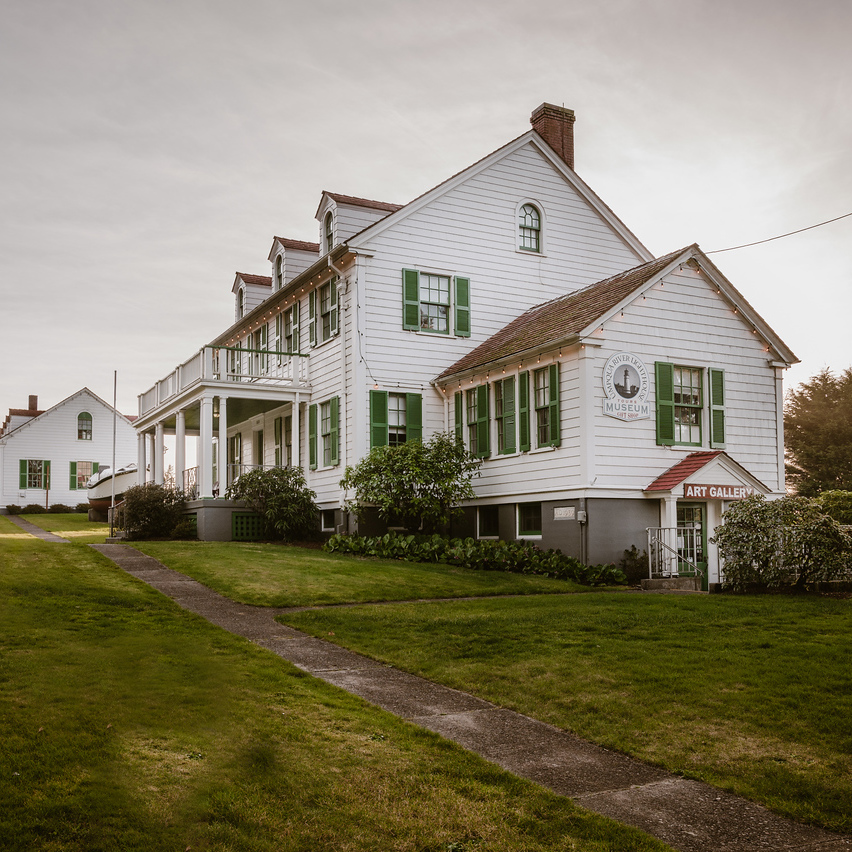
(780,236)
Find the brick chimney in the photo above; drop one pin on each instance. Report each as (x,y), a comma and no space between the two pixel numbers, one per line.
(33,402)
(556,126)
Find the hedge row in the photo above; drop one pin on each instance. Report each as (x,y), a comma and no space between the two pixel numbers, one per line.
(54,509)
(519,557)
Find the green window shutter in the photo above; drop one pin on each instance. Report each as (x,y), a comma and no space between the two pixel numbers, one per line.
(483,432)
(413,417)
(95,468)
(72,484)
(553,406)
(46,480)
(312,436)
(276,429)
(411,299)
(335,430)
(717,408)
(312,317)
(665,403)
(378,418)
(509,415)
(462,307)
(524,411)
(459,412)
(22,481)
(332,298)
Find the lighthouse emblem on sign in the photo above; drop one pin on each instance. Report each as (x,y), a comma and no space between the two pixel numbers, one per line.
(626,385)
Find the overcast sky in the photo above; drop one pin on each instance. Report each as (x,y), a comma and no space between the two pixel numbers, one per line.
(151,149)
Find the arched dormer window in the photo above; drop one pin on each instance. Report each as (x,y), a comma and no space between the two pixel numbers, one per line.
(329,231)
(241,303)
(529,228)
(84,426)
(279,272)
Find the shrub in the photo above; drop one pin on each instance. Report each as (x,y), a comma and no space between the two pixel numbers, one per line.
(60,509)
(33,509)
(778,544)
(282,499)
(82,507)
(837,505)
(152,511)
(519,557)
(635,565)
(12,509)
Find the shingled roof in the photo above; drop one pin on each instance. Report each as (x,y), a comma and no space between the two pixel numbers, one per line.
(561,317)
(263,280)
(364,202)
(682,470)
(299,245)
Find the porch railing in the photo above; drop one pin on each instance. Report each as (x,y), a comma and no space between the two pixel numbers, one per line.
(229,364)
(674,552)
(190,483)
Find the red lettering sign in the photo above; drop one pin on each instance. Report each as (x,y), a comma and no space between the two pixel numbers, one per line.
(717,492)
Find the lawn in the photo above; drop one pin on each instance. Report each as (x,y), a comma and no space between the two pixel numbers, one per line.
(752,694)
(74,526)
(128,723)
(275,575)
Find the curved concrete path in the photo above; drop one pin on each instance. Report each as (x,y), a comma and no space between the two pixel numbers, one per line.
(688,815)
(32,529)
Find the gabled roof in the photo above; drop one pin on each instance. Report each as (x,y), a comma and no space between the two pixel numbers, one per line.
(563,317)
(297,245)
(354,201)
(683,470)
(261,280)
(19,412)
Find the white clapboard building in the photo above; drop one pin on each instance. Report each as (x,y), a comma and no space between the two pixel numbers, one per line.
(47,456)
(615,398)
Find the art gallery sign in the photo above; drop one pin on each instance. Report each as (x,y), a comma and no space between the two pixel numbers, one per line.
(626,385)
(717,492)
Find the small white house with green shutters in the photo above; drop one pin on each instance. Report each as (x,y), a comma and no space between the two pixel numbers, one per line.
(47,456)
(510,304)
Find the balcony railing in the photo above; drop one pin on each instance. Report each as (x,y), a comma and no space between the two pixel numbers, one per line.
(229,364)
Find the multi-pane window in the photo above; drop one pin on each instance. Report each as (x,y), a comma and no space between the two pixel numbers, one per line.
(541,379)
(435,303)
(397,409)
(488,522)
(241,303)
(279,272)
(291,329)
(325,432)
(470,404)
(329,232)
(84,426)
(81,473)
(260,357)
(687,405)
(529,229)
(34,474)
(529,519)
(288,440)
(322,310)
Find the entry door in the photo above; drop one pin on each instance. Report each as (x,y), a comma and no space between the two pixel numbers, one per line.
(692,538)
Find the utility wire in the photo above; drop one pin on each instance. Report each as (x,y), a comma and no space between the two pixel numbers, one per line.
(781,236)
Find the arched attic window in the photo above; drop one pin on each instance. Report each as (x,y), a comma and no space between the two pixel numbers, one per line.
(279,272)
(84,426)
(329,231)
(241,303)
(529,228)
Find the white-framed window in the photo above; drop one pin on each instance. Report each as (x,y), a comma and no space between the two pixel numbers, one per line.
(291,329)
(487,522)
(80,474)
(328,231)
(529,520)
(322,312)
(504,414)
(279,272)
(682,403)
(530,228)
(329,520)
(546,405)
(35,474)
(325,432)
(397,416)
(435,303)
(241,303)
(84,426)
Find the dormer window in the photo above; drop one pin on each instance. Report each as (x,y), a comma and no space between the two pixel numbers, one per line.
(279,272)
(329,232)
(241,303)
(529,228)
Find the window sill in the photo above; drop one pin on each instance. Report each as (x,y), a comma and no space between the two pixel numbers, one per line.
(528,253)
(529,536)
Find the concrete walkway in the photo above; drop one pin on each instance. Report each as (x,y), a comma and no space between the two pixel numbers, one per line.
(687,815)
(32,529)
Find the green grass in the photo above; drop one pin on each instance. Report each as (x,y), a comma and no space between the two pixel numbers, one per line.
(76,527)
(128,723)
(275,575)
(751,694)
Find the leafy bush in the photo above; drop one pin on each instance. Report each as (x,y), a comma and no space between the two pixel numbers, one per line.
(837,505)
(60,509)
(518,557)
(152,511)
(34,509)
(635,565)
(12,509)
(82,507)
(281,497)
(778,544)
(418,485)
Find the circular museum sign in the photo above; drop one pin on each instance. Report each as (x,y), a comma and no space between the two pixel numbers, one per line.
(626,385)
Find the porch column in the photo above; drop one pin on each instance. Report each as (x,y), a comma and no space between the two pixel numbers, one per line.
(223,446)
(141,457)
(159,452)
(669,524)
(297,430)
(205,447)
(180,448)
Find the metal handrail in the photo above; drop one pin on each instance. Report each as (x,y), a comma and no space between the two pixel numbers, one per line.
(675,555)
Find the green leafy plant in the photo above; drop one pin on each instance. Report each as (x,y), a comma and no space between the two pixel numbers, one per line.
(837,505)
(33,509)
(152,511)
(777,544)
(418,485)
(282,499)
(12,509)
(59,509)
(634,564)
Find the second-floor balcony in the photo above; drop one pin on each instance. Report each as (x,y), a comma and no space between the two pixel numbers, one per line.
(229,364)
